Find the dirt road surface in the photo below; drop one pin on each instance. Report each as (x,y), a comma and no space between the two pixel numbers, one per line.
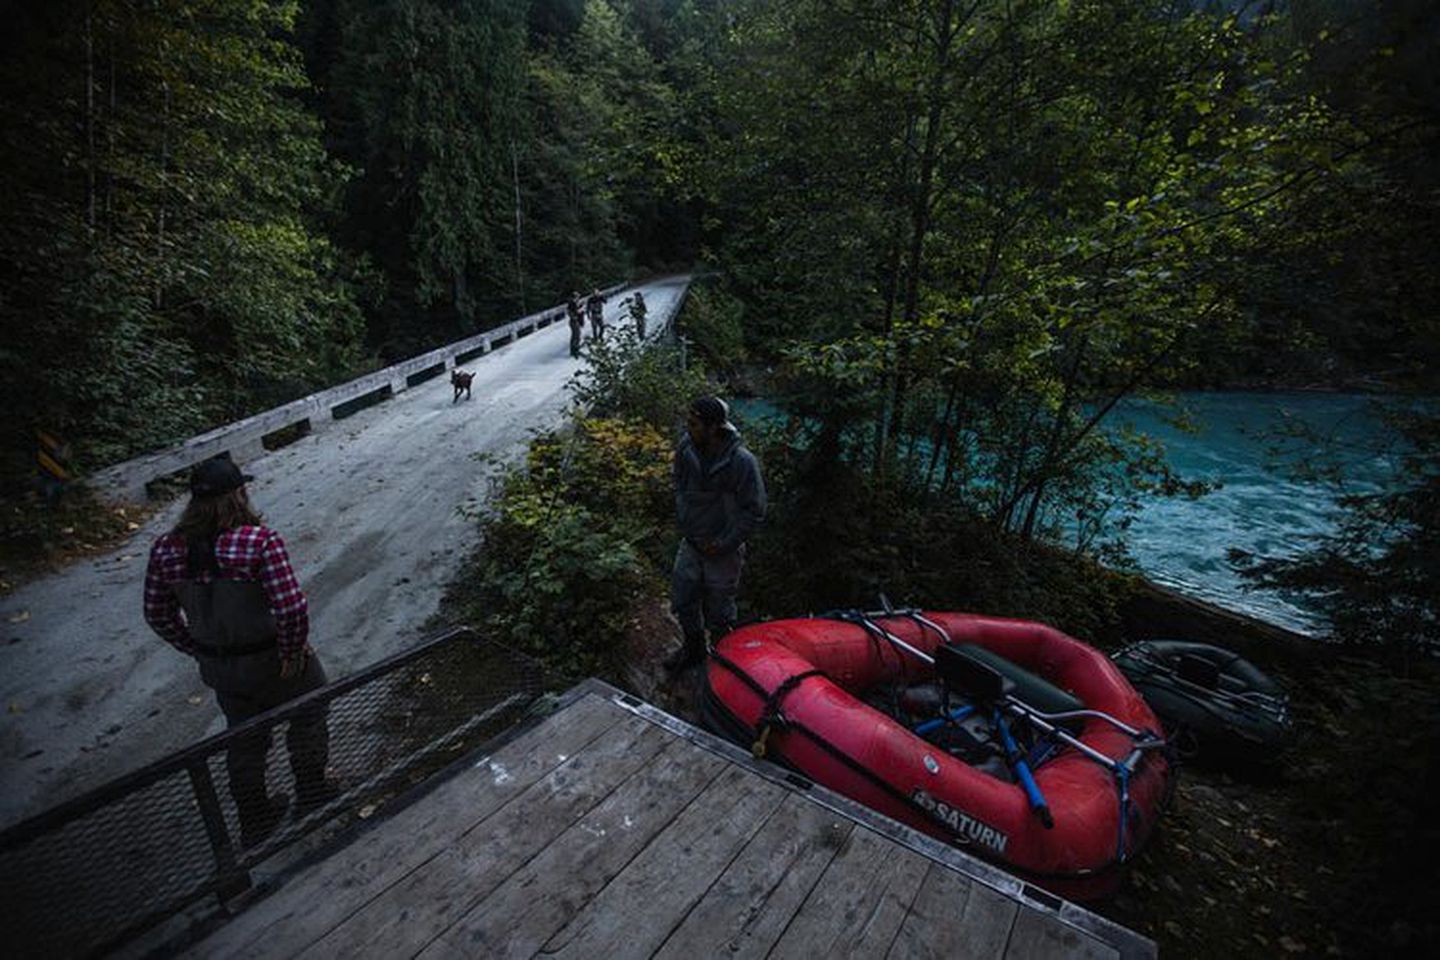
(370,510)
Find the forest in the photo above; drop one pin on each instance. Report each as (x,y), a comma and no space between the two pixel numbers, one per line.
(980,218)
(946,237)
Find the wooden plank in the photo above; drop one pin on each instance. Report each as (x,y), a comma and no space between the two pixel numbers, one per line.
(955,918)
(1042,936)
(636,910)
(322,896)
(415,910)
(533,903)
(859,902)
(748,907)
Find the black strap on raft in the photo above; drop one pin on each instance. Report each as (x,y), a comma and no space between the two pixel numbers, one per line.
(771,716)
(835,752)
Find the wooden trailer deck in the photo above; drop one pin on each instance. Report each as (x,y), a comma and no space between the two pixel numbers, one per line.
(612,829)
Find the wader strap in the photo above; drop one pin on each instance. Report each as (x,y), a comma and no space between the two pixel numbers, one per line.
(227,617)
(240,651)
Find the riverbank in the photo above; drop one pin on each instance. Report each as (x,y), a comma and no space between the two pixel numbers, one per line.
(1329,852)
(1326,852)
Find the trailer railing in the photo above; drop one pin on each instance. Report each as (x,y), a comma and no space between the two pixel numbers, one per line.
(96,871)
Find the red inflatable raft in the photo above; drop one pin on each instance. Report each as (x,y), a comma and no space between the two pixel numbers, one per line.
(793,689)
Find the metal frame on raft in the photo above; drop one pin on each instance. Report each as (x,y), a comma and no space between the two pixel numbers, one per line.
(958,669)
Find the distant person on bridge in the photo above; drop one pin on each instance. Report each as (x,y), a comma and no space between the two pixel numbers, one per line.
(595,306)
(577,323)
(719,501)
(220,588)
(637,313)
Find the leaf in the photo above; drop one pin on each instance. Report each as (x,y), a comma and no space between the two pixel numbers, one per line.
(20,617)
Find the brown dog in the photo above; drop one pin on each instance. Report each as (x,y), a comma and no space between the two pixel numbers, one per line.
(460,380)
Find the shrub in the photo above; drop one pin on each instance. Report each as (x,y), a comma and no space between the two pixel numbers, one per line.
(566,543)
(622,377)
(714,324)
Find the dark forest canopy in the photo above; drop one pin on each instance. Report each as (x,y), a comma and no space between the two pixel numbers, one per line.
(962,226)
(218,206)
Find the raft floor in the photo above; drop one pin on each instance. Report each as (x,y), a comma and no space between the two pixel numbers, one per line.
(612,829)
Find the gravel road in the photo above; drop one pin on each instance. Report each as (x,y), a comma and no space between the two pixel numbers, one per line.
(370,509)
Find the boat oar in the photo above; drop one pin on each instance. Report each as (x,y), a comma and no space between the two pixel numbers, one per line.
(1012,749)
(1022,771)
(959,713)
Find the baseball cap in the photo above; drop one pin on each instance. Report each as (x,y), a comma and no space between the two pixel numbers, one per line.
(216,476)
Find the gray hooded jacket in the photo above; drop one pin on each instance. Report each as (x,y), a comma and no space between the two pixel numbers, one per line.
(721,499)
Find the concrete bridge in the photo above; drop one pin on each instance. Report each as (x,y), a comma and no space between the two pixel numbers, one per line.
(370,504)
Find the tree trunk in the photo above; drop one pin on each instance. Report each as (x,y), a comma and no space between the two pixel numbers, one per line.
(920,203)
(575,211)
(1053,442)
(519,258)
(460,293)
(164,192)
(942,430)
(110,145)
(90,118)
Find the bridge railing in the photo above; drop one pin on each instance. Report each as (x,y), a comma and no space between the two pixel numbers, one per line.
(244,440)
(96,871)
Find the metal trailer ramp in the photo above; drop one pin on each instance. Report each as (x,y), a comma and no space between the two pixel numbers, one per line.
(612,829)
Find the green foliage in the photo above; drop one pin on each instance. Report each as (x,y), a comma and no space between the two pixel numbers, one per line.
(424,99)
(566,544)
(507,153)
(714,323)
(555,18)
(985,224)
(645,381)
(160,225)
(567,183)
(831,540)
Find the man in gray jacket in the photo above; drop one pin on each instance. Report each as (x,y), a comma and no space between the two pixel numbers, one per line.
(719,501)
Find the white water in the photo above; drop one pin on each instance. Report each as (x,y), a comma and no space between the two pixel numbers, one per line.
(1258,506)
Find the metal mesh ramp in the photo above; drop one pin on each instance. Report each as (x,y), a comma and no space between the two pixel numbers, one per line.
(94,871)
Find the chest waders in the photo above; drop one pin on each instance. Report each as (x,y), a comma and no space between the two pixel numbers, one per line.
(236,644)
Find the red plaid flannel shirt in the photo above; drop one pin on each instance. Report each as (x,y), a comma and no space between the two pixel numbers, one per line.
(255,554)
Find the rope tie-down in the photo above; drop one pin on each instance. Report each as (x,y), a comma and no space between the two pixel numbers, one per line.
(772,716)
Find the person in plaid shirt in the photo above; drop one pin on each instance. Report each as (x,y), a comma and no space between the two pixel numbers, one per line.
(219,587)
